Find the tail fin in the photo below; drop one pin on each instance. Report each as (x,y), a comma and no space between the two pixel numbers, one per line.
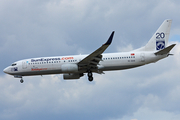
(160,38)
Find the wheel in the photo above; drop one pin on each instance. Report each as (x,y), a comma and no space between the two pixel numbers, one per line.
(21,80)
(89,74)
(90,79)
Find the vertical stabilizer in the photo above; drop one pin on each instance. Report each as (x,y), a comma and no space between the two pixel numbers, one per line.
(160,38)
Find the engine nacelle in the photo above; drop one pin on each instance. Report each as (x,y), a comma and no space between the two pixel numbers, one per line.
(69,68)
(72,76)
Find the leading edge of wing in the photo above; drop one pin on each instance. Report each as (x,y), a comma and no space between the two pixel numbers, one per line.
(97,52)
(110,39)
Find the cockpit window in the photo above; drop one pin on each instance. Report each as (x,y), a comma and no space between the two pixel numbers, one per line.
(13,64)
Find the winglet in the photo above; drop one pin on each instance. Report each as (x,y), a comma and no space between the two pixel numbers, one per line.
(165,50)
(110,39)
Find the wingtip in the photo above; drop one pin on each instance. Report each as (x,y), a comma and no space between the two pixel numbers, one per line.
(110,39)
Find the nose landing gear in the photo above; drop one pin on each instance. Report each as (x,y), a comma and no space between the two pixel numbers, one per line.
(21,81)
(19,76)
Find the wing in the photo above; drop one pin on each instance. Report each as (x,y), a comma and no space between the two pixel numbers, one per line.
(92,60)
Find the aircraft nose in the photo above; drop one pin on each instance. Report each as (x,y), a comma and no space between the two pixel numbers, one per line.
(6,70)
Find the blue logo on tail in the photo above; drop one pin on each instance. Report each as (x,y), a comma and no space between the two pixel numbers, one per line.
(160,45)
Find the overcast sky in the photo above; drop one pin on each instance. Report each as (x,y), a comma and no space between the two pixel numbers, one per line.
(35,28)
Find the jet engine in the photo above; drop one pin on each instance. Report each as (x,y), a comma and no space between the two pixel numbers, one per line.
(72,76)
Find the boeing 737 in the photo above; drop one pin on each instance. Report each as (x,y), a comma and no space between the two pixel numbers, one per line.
(75,66)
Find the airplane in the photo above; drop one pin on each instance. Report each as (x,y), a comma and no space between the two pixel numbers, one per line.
(75,66)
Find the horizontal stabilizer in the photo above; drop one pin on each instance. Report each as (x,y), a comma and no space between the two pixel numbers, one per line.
(165,50)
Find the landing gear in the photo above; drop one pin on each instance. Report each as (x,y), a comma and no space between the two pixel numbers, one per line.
(21,81)
(90,76)
(90,79)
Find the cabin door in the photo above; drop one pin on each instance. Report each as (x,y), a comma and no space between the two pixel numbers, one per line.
(24,64)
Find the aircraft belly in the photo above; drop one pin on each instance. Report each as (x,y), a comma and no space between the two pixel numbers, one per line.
(46,72)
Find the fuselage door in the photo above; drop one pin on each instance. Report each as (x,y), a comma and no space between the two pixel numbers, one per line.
(142,57)
(24,64)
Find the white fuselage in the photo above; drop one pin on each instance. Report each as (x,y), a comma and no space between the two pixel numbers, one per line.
(53,65)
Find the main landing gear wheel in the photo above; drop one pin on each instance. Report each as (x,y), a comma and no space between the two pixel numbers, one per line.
(90,79)
(90,76)
(21,81)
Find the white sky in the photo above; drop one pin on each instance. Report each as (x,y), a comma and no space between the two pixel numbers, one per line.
(34,28)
